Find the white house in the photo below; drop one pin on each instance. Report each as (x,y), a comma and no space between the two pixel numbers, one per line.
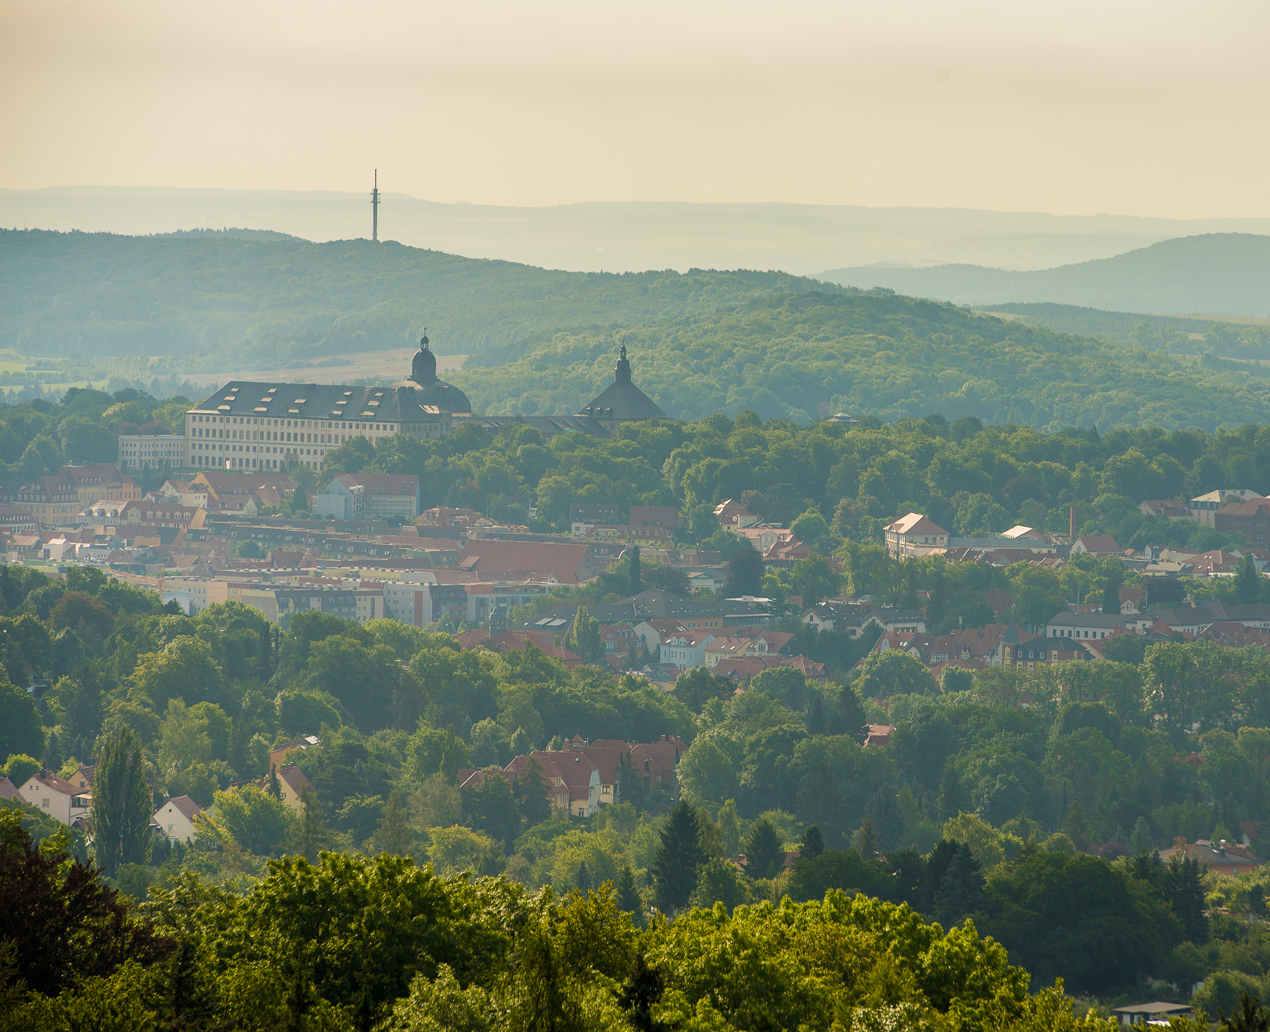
(56,797)
(914,535)
(175,818)
(685,649)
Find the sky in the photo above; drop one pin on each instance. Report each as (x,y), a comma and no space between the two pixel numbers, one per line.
(1069,108)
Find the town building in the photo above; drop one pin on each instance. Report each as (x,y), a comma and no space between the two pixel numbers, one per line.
(369,496)
(1250,518)
(621,402)
(1204,509)
(55,797)
(914,535)
(1167,509)
(272,426)
(175,818)
(153,451)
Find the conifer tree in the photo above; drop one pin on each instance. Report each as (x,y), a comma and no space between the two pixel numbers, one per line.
(53,752)
(763,851)
(394,834)
(960,889)
(865,840)
(678,857)
(627,894)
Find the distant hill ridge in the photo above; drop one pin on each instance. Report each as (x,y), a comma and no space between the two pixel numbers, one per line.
(1209,274)
(266,300)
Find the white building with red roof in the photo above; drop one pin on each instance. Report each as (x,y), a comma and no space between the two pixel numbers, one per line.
(914,535)
(175,818)
(55,797)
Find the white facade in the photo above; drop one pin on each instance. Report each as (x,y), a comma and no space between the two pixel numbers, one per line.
(139,450)
(1204,508)
(56,798)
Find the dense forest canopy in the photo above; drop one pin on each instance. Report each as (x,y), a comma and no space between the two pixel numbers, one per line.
(543,342)
(215,299)
(881,354)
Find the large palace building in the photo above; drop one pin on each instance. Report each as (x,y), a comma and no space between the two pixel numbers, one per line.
(248,425)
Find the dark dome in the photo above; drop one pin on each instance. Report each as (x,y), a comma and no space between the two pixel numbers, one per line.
(430,390)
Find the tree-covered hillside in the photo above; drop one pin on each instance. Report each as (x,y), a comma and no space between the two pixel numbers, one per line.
(212,299)
(876,353)
(1212,273)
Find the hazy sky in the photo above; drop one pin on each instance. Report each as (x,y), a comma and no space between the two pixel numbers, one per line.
(1072,108)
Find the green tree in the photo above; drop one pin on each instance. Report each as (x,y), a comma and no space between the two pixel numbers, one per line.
(814,579)
(19,767)
(764,853)
(585,637)
(678,859)
(309,833)
(20,730)
(744,572)
(63,926)
(121,804)
(697,686)
(251,819)
(1247,581)
(394,834)
(627,897)
(533,797)
(883,674)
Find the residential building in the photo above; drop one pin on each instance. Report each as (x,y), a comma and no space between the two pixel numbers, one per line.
(175,818)
(53,501)
(1167,509)
(583,515)
(1225,858)
(278,754)
(292,785)
(155,451)
(685,649)
(1088,625)
(1204,509)
(664,516)
(55,797)
(1155,1013)
(914,535)
(1096,544)
(369,496)
(16,520)
(1250,518)
(734,516)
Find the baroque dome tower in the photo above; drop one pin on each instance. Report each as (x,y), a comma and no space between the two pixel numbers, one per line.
(423,378)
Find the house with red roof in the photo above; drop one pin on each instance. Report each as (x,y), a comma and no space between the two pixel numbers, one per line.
(1096,545)
(175,818)
(914,535)
(56,797)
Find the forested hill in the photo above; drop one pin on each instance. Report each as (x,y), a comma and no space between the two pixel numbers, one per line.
(880,354)
(224,298)
(1210,274)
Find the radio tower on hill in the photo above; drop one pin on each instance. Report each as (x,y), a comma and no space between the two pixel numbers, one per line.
(374,210)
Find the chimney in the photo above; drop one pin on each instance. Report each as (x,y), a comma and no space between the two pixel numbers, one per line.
(1071,524)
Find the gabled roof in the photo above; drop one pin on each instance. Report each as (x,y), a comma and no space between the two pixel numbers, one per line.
(184,805)
(916,523)
(294,778)
(8,790)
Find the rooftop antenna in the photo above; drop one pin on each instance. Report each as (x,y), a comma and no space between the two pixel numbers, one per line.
(374,210)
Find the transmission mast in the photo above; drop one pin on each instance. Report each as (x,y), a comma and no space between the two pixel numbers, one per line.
(374,210)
